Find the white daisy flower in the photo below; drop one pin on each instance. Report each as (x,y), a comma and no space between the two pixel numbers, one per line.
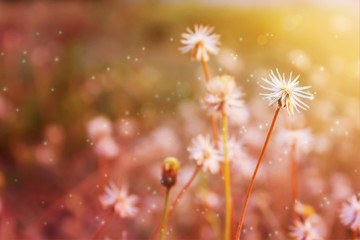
(204,153)
(222,94)
(350,213)
(286,94)
(119,199)
(200,42)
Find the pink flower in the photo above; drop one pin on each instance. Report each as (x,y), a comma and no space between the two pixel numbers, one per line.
(350,213)
(99,127)
(119,199)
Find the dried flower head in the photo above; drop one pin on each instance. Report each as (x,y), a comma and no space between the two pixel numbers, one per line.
(222,95)
(169,174)
(350,213)
(200,42)
(119,199)
(204,153)
(286,94)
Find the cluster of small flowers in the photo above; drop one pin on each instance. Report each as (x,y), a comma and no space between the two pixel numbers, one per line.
(101,132)
(223,97)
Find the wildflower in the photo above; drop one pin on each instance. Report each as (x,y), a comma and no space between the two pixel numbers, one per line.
(208,198)
(169,172)
(204,153)
(304,210)
(200,42)
(302,139)
(99,127)
(222,95)
(119,199)
(350,213)
(286,94)
(107,147)
(309,226)
(306,230)
(235,150)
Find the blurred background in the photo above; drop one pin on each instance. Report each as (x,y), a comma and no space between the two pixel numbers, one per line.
(67,65)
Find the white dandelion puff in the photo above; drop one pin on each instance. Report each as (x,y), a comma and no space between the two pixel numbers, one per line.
(286,94)
(222,95)
(201,42)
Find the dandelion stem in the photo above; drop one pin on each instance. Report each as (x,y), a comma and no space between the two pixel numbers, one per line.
(238,232)
(206,71)
(177,199)
(228,201)
(102,226)
(213,117)
(165,214)
(294,180)
(355,234)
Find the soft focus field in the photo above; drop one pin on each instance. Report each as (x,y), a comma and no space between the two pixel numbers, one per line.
(63,64)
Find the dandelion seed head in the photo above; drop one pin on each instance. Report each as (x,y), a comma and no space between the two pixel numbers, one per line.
(222,95)
(286,94)
(201,42)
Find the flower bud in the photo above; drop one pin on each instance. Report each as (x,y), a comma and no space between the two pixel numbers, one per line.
(169,172)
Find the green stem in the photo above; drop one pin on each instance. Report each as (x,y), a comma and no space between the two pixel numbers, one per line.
(177,199)
(238,232)
(164,218)
(226,180)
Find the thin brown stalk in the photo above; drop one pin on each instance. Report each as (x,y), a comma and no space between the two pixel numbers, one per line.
(238,232)
(165,215)
(294,180)
(206,70)
(355,234)
(177,199)
(102,227)
(213,116)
